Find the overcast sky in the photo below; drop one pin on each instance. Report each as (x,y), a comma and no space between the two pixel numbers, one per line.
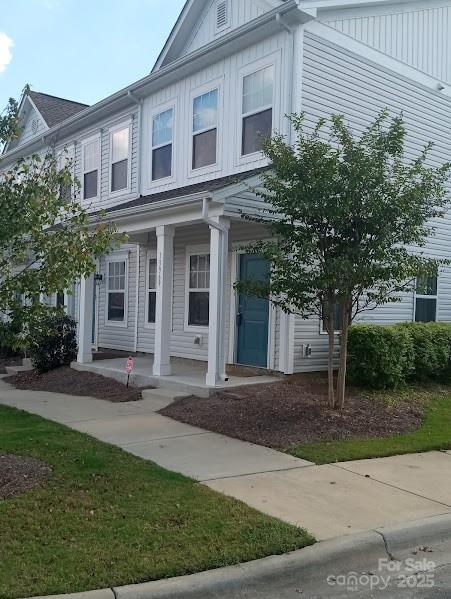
(83,50)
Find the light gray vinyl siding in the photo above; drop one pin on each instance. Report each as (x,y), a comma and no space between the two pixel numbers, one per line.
(338,81)
(419,36)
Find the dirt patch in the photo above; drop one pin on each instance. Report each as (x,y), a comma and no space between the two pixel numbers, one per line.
(73,382)
(19,474)
(280,415)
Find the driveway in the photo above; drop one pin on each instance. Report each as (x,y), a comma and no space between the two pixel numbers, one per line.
(329,501)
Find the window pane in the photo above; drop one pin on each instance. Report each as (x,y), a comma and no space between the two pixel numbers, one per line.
(204,149)
(426,310)
(255,129)
(205,111)
(258,90)
(427,285)
(162,128)
(60,300)
(119,175)
(198,308)
(120,145)
(91,152)
(152,306)
(90,185)
(152,274)
(116,304)
(162,162)
(337,319)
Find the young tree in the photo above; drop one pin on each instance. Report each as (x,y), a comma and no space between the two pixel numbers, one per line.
(46,238)
(348,215)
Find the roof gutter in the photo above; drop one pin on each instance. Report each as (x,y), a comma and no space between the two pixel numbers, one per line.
(189,61)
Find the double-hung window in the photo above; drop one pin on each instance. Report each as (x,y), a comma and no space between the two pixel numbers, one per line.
(151,289)
(257,109)
(162,140)
(120,150)
(337,320)
(198,289)
(205,129)
(426,299)
(90,160)
(116,290)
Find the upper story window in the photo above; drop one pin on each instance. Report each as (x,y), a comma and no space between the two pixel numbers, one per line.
(91,161)
(257,109)
(426,299)
(120,156)
(162,140)
(205,129)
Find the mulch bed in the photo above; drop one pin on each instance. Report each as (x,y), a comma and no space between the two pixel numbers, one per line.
(70,381)
(19,474)
(294,411)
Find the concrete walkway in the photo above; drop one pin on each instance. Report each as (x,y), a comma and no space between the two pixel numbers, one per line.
(329,501)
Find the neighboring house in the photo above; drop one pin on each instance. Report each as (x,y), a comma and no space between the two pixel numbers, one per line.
(173,159)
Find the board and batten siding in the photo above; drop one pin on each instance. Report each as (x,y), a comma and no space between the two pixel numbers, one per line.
(336,80)
(240,12)
(418,35)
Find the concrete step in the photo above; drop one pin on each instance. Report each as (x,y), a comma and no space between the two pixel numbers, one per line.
(15,369)
(161,397)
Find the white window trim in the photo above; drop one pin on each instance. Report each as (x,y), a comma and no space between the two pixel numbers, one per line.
(127,124)
(422,296)
(193,250)
(219,30)
(118,257)
(217,84)
(68,151)
(273,60)
(84,142)
(150,255)
(172,104)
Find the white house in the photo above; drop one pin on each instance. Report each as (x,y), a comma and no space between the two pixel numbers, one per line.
(173,158)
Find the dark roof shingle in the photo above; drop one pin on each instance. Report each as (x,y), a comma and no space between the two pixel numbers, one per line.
(55,110)
(180,192)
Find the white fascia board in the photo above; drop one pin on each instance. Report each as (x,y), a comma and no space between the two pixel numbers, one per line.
(384,60)
(328,4)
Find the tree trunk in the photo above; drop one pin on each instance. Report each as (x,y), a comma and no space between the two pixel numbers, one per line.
(341,383)
(330,368)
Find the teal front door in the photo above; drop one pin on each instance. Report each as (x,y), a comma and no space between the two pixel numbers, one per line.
(252,315)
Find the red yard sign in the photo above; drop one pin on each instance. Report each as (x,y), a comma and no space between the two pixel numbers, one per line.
(129,366)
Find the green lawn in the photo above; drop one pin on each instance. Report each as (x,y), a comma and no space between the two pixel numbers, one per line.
(108,518)
(435,433)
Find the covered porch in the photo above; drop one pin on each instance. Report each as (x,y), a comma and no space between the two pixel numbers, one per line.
(187,376)
(184,312)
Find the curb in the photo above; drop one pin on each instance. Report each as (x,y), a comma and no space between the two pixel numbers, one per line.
(305,565)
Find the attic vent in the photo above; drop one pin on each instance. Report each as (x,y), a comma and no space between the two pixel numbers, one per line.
(34,126)
(222,14)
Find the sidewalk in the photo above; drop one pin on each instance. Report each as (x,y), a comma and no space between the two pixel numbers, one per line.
(329,501)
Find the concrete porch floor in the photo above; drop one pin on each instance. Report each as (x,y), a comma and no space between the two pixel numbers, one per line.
(187,375)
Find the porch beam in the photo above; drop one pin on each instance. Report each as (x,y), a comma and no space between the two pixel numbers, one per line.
(165,260)
(86,304)
(219,244)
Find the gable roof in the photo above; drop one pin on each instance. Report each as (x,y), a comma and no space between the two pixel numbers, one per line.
(55,110)
(189,17)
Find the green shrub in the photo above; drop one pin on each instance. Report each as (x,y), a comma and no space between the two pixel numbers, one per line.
(9,333)
(53,342)
(432,350)
(380,357)
(388,356)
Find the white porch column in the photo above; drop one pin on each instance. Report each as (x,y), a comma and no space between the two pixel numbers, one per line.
(86,301)
(219,243)
(165,259)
